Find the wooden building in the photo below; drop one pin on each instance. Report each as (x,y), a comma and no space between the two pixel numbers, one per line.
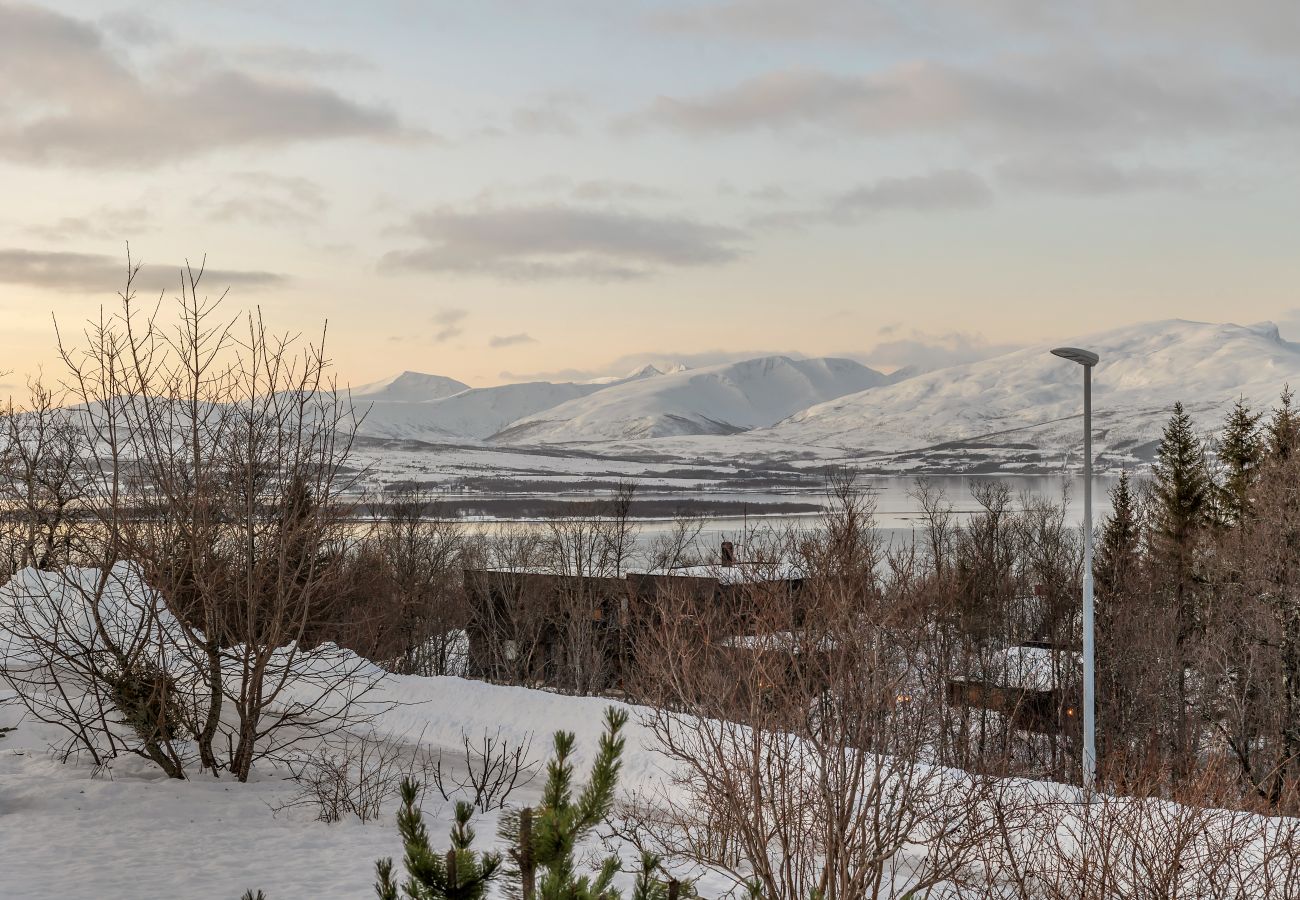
(1031,685)
(578,632)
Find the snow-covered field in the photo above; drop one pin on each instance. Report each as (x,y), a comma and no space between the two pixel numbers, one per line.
(71,832)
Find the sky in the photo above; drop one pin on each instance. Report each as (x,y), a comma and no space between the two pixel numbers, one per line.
(516,189)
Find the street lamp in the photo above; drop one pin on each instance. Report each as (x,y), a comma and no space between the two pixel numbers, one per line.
(1087,359)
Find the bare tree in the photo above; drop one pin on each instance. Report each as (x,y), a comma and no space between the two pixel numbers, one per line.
(41,481)
(418,557)
(216,460)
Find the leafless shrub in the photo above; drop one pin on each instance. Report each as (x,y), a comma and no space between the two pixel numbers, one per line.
(353,775)
(93,652)
(494,769)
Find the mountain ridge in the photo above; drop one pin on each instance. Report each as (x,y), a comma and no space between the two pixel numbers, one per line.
(722,399)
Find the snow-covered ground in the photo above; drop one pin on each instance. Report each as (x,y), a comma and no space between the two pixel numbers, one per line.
(71,832)
(69,829)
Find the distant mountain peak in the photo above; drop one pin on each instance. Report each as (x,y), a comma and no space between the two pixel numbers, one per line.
(411,387)
(1266,329)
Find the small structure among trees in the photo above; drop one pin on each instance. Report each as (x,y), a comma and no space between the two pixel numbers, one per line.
(579,631)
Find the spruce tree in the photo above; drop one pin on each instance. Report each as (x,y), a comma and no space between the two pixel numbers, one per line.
(1182,506)
(1240,452)
(562,820)
(461,874)
(1119,549)
(1183,490)
(1283,428)
(1117,572)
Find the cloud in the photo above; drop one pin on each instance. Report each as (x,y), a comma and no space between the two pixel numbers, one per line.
(107,223)
(551,241)
(782,20)
(263,198)
(1093,177)
(448,321)
(85,273)
(557,187)
(948,189)
(510,340)
(135,28)
(924,351)
(551,114)
(1055,98)
(69,95)
(609,189)
(554,113)
(1272,25)
(301,59)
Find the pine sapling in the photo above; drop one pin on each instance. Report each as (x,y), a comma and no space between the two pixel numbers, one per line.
(461,874)
(648,887)
(562,821)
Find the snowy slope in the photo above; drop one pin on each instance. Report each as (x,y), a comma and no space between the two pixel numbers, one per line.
(411,387)
(1032,397)
(721,399)
(477,413)
(470,415)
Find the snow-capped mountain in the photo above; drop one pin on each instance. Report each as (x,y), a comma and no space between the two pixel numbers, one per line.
(411,387)
(721,399)
(1016,412)
(472,413)
(647,371)
(1030,398)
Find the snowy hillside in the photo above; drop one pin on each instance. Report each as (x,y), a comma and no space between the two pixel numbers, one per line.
(722,399)
(474,414)
(1030,397)
(411,387)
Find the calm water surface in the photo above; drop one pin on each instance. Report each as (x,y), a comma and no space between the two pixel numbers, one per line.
(897,513)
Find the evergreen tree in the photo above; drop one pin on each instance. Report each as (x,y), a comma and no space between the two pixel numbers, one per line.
(1118,554)
(1117,573)
(562,821)
(461,874)
(1240,453)
(1183,492)
(1283,428)
(1182,506)
(648,887)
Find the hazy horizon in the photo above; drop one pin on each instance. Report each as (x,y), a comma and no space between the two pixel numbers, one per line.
(511,190)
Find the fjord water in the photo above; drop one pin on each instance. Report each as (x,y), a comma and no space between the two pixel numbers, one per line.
(899,518)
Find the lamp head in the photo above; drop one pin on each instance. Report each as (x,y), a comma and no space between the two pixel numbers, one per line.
(1074,354)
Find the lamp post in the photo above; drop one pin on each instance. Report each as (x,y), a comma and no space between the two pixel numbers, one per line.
(1087,359)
